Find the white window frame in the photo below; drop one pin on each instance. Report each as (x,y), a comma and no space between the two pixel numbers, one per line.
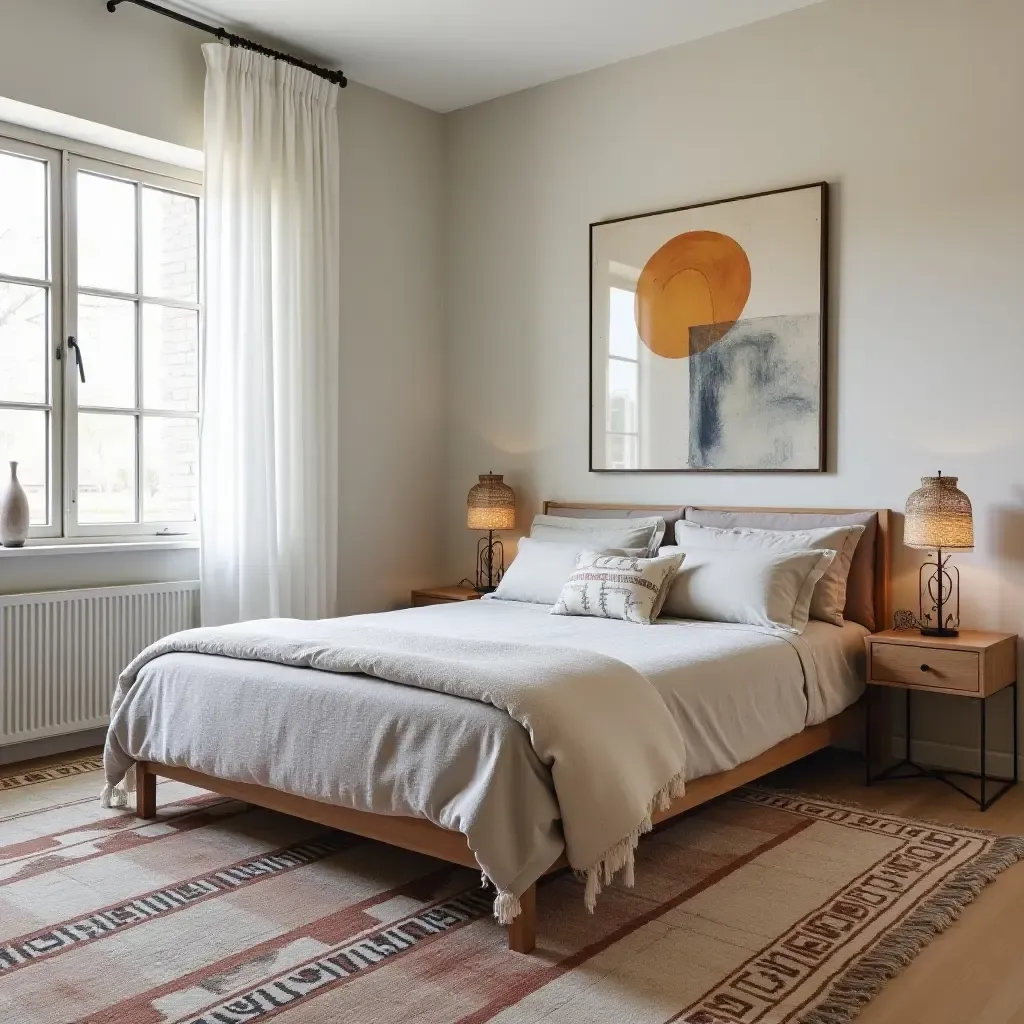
(72,528)
(64,159)
(54,283)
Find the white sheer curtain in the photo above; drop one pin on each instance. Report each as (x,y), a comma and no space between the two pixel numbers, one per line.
(269,449)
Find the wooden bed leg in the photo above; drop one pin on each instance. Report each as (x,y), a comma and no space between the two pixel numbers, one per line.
(522,932)
(145,791)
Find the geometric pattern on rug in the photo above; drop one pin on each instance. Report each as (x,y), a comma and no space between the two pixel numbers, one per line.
(57,771)
(148,906)
(760,908)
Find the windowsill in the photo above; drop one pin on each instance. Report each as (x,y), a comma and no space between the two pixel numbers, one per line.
(99,546)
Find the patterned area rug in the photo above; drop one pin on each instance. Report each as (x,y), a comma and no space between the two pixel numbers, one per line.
(762,907)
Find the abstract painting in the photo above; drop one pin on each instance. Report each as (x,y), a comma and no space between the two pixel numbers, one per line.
(707,337)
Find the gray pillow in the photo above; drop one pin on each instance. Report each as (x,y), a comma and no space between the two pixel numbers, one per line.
(599,534)
(670,515)
(860,584)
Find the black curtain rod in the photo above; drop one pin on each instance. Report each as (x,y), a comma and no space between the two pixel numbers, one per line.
(229,37)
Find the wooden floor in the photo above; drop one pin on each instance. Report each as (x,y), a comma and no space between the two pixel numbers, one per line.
(971,974)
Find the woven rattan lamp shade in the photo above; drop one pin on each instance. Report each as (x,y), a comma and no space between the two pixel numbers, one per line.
(939,516)
(491,504)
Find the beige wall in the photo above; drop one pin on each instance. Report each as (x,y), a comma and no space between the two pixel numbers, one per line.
(392,394)
(144,74)
(911,109)
(129,70)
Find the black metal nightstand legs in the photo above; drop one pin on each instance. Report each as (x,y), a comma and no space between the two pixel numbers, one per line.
(912,770)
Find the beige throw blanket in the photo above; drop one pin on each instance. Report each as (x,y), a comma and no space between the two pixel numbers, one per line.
(614,751)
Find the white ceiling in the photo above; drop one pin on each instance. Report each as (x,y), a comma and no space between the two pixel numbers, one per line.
(446,54)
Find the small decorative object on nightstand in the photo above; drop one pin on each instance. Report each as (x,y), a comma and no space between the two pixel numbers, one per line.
(974,664)
(939,518)
(443,595)
(490,506)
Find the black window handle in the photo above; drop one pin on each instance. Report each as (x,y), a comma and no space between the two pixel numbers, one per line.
(78,357)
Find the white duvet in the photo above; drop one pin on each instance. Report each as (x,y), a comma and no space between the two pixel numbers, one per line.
(733,691)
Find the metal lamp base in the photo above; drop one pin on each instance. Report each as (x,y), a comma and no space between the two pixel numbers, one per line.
(937,590)
(490,563)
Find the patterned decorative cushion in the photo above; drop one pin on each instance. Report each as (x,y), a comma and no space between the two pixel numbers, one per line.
(618,587)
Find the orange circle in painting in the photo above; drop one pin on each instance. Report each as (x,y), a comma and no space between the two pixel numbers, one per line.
(697,279)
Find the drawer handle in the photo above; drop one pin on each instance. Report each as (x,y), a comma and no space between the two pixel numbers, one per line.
(926,668)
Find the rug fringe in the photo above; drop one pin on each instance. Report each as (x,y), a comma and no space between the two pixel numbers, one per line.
(861,982)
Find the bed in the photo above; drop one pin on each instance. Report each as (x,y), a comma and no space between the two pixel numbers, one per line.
(459,780)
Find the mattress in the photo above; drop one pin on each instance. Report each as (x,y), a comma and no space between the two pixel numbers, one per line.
(377,746)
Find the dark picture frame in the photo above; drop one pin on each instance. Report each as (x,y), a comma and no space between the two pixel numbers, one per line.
(713,332)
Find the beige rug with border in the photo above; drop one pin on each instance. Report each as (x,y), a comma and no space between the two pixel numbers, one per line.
(762,907)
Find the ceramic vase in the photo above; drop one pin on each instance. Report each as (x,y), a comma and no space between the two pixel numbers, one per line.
(13,512)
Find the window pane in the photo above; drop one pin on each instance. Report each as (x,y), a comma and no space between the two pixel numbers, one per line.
(106,233)
(106,468)
(106,334)
(23,436)
(622,396)
(22,216)
(170,246)
(622,338)
(623,451)
(23,343)
(170,452)
(170,357)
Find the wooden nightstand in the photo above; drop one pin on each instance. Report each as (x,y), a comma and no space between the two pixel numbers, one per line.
(443,595)
(974,664)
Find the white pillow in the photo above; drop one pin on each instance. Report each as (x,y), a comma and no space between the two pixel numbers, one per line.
(618,586)
(540,569)
(829,597)
(600,534)
(757,587)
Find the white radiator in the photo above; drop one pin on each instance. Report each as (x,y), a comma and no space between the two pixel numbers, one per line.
(61,653)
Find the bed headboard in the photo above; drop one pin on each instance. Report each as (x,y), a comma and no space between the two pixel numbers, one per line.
(883,538)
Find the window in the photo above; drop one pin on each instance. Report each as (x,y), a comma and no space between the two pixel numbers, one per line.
(99,343)
(622,435)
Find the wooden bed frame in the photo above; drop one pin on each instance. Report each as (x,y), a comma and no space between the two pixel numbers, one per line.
(423,836)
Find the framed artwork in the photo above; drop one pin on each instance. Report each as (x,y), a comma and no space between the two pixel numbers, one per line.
(707,336)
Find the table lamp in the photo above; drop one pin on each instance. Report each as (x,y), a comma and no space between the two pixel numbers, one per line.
(939,518)
(490,506)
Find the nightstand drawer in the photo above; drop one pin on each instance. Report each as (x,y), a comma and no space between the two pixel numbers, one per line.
(926,666)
